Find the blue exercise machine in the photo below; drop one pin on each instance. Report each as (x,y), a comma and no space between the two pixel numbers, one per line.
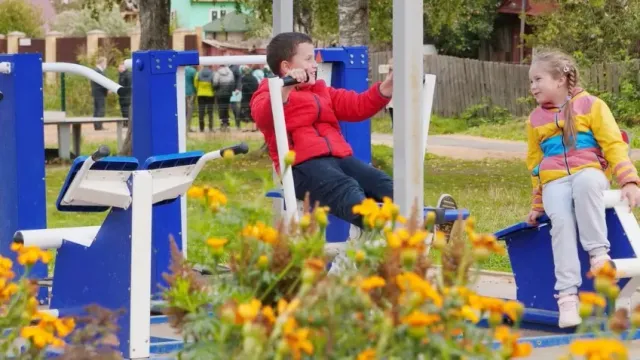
(118,264)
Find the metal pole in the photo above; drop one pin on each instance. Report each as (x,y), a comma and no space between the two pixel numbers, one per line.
(282,16)
(63,93)
(408,158)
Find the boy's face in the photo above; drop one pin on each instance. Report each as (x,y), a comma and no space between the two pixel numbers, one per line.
(303,59)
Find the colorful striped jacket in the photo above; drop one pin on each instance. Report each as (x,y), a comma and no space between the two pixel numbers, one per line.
(599,144)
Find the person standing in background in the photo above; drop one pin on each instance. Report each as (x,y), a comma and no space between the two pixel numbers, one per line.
(124,79)
(190,94)
(224,83)
(203,82)
(99,93)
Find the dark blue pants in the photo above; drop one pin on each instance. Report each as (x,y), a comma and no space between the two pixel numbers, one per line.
(340,184)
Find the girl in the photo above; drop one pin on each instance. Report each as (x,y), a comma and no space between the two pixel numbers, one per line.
(573,140)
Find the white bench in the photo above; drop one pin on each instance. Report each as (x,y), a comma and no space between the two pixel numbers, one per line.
(70,130)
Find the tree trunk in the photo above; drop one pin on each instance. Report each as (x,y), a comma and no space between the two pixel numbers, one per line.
(353,21)
(155,17)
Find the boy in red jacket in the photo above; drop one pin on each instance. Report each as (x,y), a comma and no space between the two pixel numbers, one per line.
(324,164)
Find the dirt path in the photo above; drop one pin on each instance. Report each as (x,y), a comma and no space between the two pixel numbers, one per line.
(462,147)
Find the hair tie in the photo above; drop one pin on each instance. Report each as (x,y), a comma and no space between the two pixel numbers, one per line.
(566,69)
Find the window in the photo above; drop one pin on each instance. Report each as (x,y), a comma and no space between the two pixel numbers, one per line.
(214,15)
(223,13)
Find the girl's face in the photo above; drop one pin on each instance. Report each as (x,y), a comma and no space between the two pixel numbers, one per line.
(545,88)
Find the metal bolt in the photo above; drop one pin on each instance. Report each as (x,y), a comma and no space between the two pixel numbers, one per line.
(351,62)
(158,61)
(351,56)
(362,56)
(170,66)
(158,67)
(362,62)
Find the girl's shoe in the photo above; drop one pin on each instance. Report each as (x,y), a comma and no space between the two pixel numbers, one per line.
(568,308)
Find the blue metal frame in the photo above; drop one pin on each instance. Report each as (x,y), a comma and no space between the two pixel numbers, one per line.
(534,275)
(155,132)
(23,204)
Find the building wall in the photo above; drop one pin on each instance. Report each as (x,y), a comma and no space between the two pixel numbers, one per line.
(192,14)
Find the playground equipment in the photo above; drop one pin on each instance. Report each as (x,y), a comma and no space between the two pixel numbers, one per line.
(346,68)
(110,265)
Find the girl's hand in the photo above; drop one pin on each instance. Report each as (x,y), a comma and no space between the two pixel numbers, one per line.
(631,193)
(532,218)
(386,88)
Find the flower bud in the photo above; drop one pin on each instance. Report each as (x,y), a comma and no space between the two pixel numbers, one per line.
(359,257)
(290,158)
(495,319)
(601,285)
(585,310)
(417,332)
(263,262)
(408,257)
(635,319)
(305,221)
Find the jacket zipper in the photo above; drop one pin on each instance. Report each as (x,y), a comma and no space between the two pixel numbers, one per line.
(318,118)
(564,148)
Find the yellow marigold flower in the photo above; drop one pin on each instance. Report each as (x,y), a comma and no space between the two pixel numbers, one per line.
(419,319)
(417,238)
(195,192)
(510,343)
(469,314)
(371,283)
(297,339)
(360,255)
(217,243)
(594,299)
(305,221)
(410,281)
(487,242)
(249,311)
(64,326)
(284,306)
(261,232)
(369,354)
(367,207)
(38,337)
(606,272)
(269,314)
(393,240)
(513,309)
(31,254)
(316,265)
(599,348)
(8,291)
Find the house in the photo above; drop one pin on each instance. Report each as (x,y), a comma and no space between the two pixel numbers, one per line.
(231,27)
(190,14)
(506,40)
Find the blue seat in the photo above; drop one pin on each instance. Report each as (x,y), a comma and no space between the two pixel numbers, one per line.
(111,163)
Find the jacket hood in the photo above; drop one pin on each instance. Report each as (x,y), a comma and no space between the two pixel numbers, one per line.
(205,74)
(224,71)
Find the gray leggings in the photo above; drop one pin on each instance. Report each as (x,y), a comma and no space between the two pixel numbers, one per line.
(576,199)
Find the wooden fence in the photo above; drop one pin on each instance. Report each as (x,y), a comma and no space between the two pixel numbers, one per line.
(3,46)
(462,83)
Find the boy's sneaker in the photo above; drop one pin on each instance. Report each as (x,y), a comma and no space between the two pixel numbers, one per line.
(568,308)
(446,202)
(598,261)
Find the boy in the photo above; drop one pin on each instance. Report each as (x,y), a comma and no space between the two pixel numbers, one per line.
(324,165)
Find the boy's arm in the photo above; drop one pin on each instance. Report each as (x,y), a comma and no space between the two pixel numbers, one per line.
(348,105)
(534,156)
(607,134)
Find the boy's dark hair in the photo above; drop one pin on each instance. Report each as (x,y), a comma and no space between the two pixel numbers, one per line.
(283,47)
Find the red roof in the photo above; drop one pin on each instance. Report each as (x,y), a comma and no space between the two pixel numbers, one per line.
(534,7)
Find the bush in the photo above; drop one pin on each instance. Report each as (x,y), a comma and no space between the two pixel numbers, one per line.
(80,22)
(20,15)
(486,113)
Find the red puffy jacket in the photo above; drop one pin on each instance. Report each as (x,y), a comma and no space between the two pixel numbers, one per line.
(311,115)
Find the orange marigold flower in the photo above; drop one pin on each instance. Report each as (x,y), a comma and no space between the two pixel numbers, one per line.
(419,319)
(369,354)
(601,348)
(371,283)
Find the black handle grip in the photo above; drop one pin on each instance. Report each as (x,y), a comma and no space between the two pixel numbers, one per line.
(241,148)
(102,152)
(1,96)
(288,80)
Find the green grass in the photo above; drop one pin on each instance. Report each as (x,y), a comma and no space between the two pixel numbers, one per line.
(486,188)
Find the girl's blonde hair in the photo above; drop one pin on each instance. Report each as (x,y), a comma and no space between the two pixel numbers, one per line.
(559,64)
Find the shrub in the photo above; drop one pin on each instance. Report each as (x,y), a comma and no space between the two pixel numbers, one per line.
(486,113)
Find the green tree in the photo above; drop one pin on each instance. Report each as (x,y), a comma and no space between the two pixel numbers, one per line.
(20,15)
(594,31)
(79,22)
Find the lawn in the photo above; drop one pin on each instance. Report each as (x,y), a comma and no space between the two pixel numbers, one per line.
(486,188)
